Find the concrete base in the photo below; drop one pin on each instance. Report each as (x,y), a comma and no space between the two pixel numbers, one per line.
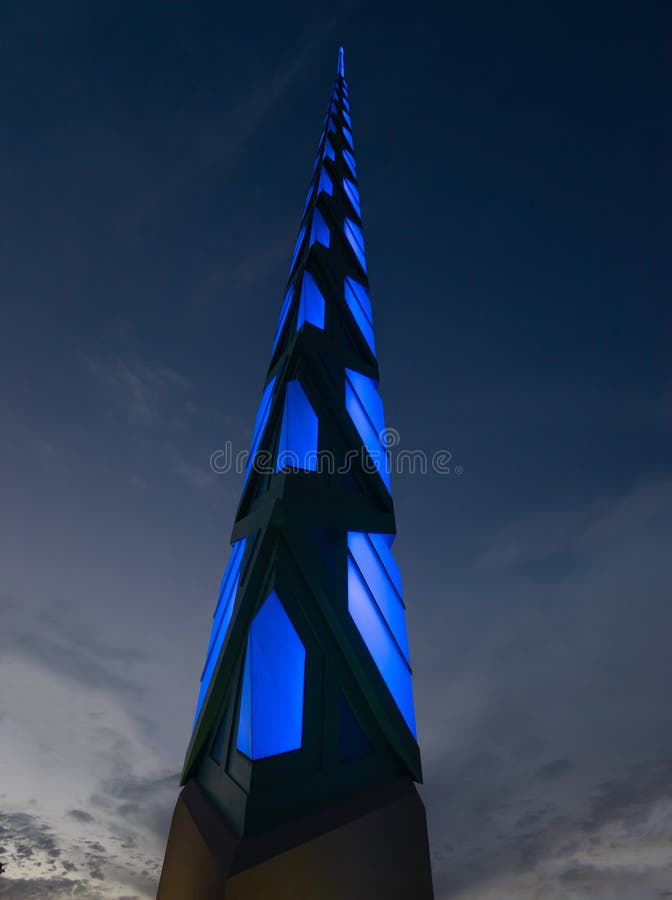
(373,847)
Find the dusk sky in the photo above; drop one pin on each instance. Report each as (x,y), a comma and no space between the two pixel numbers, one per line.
(514,166)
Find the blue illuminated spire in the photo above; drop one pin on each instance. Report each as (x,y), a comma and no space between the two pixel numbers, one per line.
(308,664)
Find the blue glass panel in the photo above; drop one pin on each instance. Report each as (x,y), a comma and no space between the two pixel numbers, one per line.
(287,302)
(311,304)
(297,248)
(350,160)
(352,194)
(362,296)
(355,238)
(332,126)
(271,707)
(381,587)
(365,408)
(319,230)
(221,619)
(348,136)
(383,544)
(346,116)
(368,393)
(325,183)
(297,447)
(309,197)
(360,306)
(259,425)
(329,150)
(381,645)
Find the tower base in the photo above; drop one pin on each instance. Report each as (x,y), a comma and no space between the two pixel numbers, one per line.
(373,847)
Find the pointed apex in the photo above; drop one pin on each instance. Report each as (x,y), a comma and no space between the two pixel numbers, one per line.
(341,64)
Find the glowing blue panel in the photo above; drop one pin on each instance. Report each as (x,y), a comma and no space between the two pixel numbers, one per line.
(360,306)
(352,194)
(297,248)
(362,296)
(365,408)
(324,184)
(381,586)
(383,544)
(329,152)
(348,136)
(287,302)
(368,393)
(271,704)
(348,120)
(221,619)
(311,304)
(297,448)
(381,645)
(259,425)
(332,126)
(350,160)
(319,230)
(309,197)
(355,238)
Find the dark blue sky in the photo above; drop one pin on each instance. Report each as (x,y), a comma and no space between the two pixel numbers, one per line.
(514,172)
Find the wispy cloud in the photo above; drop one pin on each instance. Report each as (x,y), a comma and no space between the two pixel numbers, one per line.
(548,759)
(146,395)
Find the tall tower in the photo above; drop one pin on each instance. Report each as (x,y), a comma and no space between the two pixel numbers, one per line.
(299,776)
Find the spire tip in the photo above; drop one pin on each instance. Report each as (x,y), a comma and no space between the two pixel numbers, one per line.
(341,63)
